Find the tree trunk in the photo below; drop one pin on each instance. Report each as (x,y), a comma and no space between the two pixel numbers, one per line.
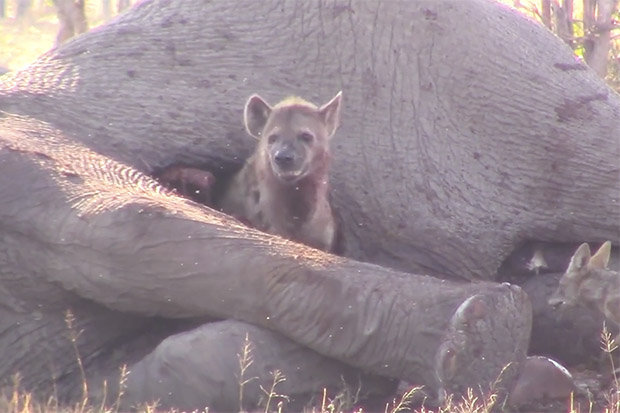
(563,21)
(72,19)
(567,6)
(123,5)
(546,12)
(597,27)
(23,7)
(106,9)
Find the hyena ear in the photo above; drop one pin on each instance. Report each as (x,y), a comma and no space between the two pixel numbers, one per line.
(601,258)
(579,260)
(330,113)
(255,115)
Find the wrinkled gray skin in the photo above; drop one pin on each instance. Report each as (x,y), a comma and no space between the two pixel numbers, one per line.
(460,142)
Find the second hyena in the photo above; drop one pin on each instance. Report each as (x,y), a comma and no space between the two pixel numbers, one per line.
(283,187)
(588,281)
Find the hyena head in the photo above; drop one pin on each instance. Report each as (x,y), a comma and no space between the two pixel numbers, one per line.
(582,266)
(293,136)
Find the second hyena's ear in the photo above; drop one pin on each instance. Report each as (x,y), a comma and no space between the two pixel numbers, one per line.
(255,115)
(601,258)
(330,113)
(579,260)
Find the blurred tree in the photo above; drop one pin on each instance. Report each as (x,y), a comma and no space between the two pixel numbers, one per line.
(23,6)
(123,4)
(598,24)
(71,17)
(1,8)
(106,6)
(588,29)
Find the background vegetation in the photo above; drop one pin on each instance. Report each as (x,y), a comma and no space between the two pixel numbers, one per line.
(590,27)
(28,28)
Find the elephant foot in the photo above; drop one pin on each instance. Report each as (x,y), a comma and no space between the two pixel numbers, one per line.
(202,368)
(486,340)
(541,381)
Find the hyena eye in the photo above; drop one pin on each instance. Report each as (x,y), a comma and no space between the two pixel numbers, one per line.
(272,139)
(306,137)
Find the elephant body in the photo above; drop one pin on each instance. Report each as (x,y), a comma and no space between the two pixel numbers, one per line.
(454,151)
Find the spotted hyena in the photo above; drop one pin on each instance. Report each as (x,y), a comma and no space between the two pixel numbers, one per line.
(588,281)
(283,187)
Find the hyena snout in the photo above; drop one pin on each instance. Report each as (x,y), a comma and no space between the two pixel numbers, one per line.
(285,158)
(288,164)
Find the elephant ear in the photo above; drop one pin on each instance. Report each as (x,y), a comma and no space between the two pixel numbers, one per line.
(255,115)
(601,258)
(330,113)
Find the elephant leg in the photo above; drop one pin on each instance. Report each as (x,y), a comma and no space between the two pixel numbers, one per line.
(201,368)
(133,248)
(477,340)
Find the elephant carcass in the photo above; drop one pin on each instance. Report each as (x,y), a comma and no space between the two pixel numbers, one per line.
(454,149)
(490,144)
(204,379)
(111,235)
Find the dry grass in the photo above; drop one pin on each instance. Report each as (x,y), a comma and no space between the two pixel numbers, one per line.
(610,349)
(16,400)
